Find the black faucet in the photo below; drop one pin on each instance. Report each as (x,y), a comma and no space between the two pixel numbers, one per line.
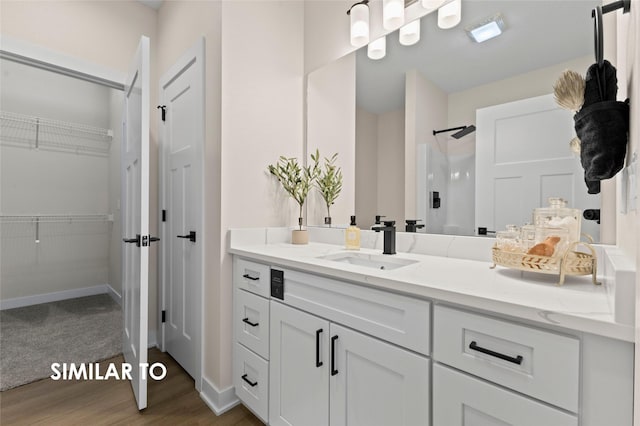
(378,217)
(412,225)
(389,230)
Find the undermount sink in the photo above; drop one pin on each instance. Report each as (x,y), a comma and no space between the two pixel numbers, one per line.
(375,261)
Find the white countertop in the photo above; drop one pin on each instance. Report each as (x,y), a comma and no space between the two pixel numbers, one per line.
(577,305)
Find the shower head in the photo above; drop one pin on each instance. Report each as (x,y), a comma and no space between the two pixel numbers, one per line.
(462,131)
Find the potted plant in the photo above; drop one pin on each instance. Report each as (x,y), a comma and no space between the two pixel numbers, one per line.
(329,182)
(297,181)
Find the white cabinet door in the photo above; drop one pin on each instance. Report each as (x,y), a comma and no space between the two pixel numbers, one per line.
(460,399)
(375,383)
(299,368)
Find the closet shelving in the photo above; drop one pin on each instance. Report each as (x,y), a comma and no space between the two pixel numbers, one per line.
(36,220)
(55,218)
(53,135)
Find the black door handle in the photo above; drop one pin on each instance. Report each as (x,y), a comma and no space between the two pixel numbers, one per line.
(191,236)
(516,360)
(318,362)
(334,370)
(252,324)
(252,384)
(249,277)
(135,240)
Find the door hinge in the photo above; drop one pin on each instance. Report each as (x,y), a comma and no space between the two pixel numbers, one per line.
(164,215)
(164,111)
(164,316)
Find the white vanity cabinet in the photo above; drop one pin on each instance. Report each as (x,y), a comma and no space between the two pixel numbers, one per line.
(322,374)
(251,335)
(313,350)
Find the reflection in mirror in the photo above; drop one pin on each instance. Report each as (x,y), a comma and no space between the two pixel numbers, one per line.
(447,80)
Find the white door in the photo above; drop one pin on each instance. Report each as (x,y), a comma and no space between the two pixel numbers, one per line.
(299,368)
(182,141)
(374,383)
(522,159)
(135,220)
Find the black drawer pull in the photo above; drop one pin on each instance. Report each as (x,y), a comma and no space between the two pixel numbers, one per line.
(191,236)
(249,277)
(334,371)
(252,384)
(252,324)
(474,346)
(318,362)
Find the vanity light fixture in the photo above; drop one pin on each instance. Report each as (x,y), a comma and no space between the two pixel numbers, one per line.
(377,48)
(450,14)
(432,4)
(359,14)
(410,33)
(392,14)
(487,29)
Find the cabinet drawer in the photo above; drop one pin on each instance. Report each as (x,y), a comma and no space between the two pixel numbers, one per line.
(251,321)
(398,319)
(542,364)
(459,399)
(251,276)
(251,380)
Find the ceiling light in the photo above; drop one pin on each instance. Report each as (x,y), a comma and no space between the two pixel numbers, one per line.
(392,14)
(359,14)
(487,29)
(377,48)
(410,33)
(450,15)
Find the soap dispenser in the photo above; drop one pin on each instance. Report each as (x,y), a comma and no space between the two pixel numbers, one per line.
(352,236)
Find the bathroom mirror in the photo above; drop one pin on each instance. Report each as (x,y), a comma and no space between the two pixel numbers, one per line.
(540,40)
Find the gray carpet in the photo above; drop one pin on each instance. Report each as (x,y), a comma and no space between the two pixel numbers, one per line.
(86,329)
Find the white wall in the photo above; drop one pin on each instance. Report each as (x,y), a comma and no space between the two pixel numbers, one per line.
(70,255)
(391,167)
(426,111)
(331,109)
(366,165)
(262,118)
(116,98)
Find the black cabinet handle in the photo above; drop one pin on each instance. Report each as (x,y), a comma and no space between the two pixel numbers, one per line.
(191,236)
(252,384)
(318,362)
(334,371)
(474,346)
(249,277)
(252,324)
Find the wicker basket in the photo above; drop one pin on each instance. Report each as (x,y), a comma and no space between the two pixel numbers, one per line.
(570,263)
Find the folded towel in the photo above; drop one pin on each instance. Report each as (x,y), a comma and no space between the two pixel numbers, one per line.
(603,131)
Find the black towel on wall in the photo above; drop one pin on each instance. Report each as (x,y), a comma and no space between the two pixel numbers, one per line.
(601,84)
(603,131)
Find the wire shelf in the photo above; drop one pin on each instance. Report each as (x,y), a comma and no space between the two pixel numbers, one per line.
(56,218)
(42,133)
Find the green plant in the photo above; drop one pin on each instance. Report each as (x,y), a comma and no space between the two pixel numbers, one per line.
(295,179)
(329,182)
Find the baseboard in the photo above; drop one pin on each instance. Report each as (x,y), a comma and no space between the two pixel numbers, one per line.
(218,401)
(117,297)
(152,340)
(19,302)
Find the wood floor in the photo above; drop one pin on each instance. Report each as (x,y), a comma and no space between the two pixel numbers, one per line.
(172,401)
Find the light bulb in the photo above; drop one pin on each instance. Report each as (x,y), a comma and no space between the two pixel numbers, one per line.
(377,48)
(410,33)
(450,15)
(359,14)
(392,14)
